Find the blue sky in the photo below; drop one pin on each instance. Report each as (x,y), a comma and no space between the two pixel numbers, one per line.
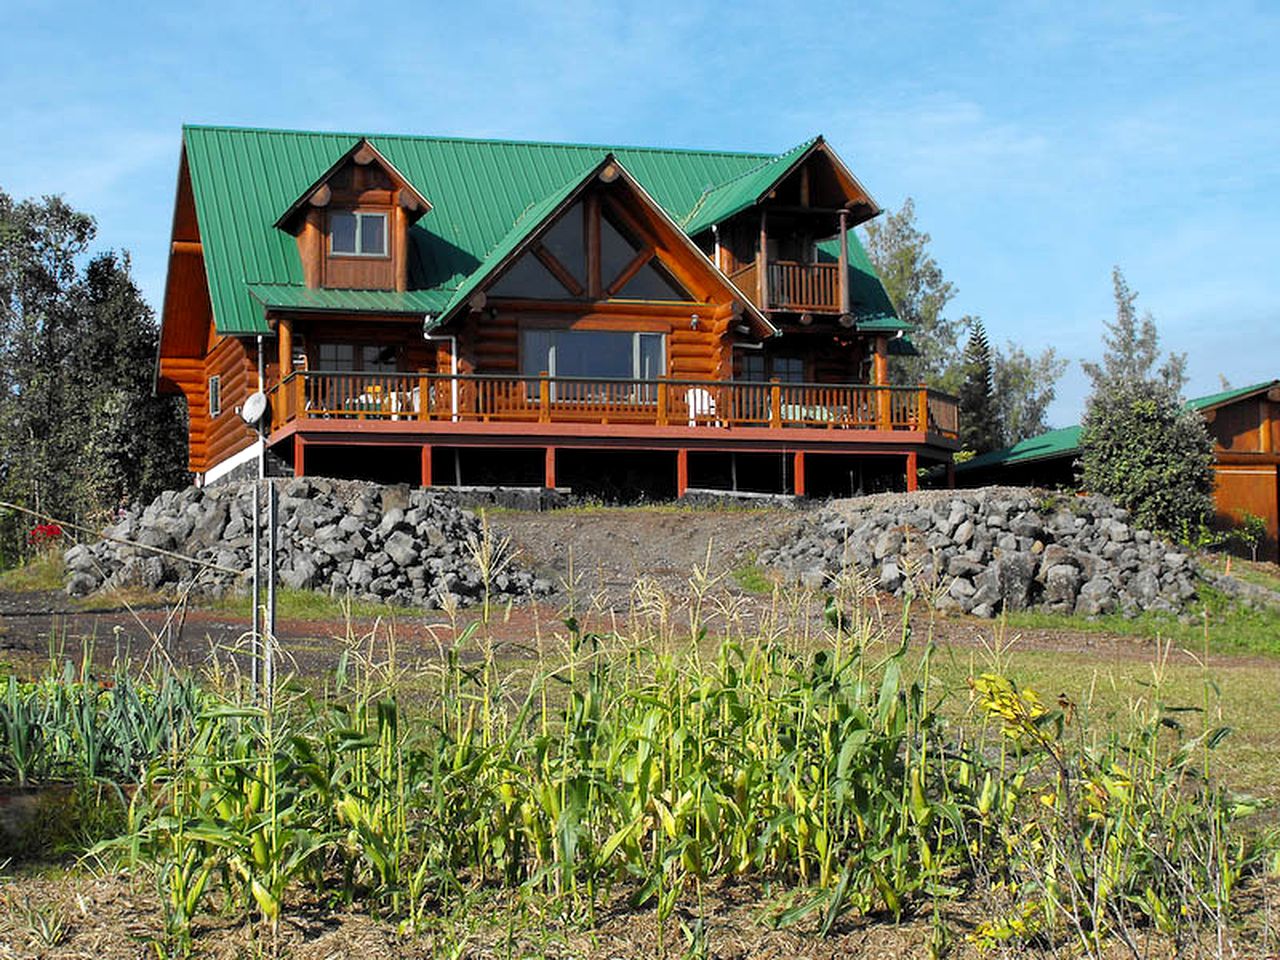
(1042,142)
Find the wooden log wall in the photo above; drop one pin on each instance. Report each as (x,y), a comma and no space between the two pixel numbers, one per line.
(212,439)
(186,374)
(829,358)
(227,433)
(489,341)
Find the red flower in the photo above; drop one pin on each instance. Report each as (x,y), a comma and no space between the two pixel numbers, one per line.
(42,533)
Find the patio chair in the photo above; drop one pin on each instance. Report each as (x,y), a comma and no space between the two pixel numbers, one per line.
(702,406)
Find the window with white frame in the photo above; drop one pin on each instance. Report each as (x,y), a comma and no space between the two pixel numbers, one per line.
(215,396)
(358,233)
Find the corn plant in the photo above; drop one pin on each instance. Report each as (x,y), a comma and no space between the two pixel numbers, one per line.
(649,762)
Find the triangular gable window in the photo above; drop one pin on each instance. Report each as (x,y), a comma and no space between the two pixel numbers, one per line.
(652,282)
(557,266)
(565,241)
(528,279)
(616,251)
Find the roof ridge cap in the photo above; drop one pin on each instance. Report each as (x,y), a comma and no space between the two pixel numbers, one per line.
(575,145)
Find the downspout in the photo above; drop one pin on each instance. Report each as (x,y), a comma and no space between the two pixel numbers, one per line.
(452,340)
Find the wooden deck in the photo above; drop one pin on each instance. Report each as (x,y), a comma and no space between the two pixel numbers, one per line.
(699,404)
(550,413)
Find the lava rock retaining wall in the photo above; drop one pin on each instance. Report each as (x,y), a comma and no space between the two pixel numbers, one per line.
(995,548)
(395,544)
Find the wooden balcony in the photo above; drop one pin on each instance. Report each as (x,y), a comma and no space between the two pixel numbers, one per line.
(793,286)
(423,402)
(804,287)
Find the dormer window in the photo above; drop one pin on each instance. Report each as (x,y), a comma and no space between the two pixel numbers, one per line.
(358,234)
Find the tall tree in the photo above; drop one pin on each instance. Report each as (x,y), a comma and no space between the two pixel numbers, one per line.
(899,250)
(1131,347)
(1139,443)
(79,427)
(1024,387)
(979,420)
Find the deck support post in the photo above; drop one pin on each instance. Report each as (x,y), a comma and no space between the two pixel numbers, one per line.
(299,456)
(682,471)
(880,377)
(549,479)
(426,465)
(913,482)
(799,474)
(284,336)
(762,261)
(591,240)
(951,475)
(843,279)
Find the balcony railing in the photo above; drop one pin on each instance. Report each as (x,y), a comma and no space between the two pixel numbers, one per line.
(804,286)
(794,286)
(485,398)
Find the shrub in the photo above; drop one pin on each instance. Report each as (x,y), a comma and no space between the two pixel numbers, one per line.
(1139,444)
(1151,454)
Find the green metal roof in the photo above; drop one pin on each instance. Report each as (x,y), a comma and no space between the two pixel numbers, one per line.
(486,196)
(868,300)
(1056,443)
(1065,442)
(528,221)
(283,296)
(902,347)
(722,202)
(1226,396)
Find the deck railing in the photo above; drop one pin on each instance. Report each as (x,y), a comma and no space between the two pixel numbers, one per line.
(804,286)
(664,402)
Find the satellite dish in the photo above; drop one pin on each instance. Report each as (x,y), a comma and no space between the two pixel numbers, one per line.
(254,409)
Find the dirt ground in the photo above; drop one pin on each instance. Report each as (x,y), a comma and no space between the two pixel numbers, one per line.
(104,915)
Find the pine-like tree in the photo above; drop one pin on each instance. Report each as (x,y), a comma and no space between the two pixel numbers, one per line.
(979,420)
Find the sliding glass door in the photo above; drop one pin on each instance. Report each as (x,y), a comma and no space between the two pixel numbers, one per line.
(595,355)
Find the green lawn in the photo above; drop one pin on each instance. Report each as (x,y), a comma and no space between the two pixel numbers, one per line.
(307,605)
(1111,693)
(42,572)
(1224,623)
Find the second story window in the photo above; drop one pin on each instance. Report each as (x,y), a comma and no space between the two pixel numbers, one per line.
(761,368)
(358,234)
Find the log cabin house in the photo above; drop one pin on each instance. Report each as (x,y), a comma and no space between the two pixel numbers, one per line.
(464,312)
(1244,424)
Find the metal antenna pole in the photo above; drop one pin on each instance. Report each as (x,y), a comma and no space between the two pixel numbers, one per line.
(255,650)
(268,661)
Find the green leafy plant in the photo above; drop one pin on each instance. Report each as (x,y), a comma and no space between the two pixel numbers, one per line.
(1250,532)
